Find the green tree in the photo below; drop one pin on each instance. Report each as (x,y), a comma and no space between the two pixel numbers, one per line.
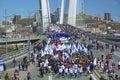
(26,21)
(1,30)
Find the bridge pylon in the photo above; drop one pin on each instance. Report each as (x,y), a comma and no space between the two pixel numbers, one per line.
(44,14)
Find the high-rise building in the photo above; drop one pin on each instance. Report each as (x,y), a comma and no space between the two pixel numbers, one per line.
(53,20)
(16,19)
(107,17)
(55,16)
(58,14)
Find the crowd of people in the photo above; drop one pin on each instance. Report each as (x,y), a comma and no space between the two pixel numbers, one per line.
(71,56)
(67,58)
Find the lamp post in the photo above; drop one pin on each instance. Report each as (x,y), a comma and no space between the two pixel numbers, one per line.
(29,37)
(6,43)
(5,31)
(29,46)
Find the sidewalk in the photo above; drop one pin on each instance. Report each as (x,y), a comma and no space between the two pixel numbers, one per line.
(22,74)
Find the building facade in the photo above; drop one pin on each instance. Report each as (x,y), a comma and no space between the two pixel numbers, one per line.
(16,19)
(37,16)
(107,17)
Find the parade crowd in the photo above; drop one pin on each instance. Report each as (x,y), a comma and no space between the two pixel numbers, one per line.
(67,54)
(72,58)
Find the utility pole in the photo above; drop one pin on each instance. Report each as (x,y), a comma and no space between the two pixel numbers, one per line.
(83,14)
(6,29)
(29,47)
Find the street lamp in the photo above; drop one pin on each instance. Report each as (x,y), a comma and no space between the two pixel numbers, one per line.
(6,31)
(6,44)
(29,46)
(29,37)
(6,16)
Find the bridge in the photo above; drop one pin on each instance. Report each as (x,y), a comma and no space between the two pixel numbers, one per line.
(113,38)
(71,14)
(31,38)
(45,21)
(25,50)
(104,38)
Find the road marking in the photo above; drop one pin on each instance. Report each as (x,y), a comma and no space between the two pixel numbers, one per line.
(50,77)
(115,53)
(93,77)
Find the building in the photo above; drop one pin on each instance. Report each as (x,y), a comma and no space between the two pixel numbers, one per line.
(57,14)
(107,17)
(55,17)
(53,20)
(9,30)
(37,16)
(5,22)
(16,19)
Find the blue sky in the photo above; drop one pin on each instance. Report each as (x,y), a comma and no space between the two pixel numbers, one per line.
(28,7)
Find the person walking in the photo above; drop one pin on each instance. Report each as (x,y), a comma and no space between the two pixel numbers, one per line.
(4,66)
(14,62)
(6,77)
(60,71)
(28,75)
(15,75)
(41,69)
(71,72)
(19,65)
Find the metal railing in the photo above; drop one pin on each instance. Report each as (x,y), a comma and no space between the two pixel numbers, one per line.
(103,39)
(16,53)
(25,50)
(18,38)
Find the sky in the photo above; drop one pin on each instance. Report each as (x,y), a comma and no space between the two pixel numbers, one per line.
(26,8)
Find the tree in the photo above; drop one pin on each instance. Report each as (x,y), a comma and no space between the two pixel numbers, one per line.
(1,31)
(26,21)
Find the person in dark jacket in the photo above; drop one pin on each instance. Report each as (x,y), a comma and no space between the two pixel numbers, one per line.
(4,66)
(41,69)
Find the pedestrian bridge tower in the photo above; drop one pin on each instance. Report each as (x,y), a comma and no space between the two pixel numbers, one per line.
(72,12)
(44,14)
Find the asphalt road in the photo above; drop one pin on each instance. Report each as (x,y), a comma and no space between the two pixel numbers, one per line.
(115,56)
